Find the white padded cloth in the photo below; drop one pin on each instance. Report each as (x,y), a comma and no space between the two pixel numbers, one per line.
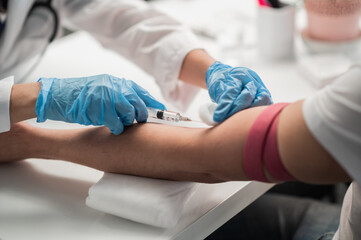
(149,201)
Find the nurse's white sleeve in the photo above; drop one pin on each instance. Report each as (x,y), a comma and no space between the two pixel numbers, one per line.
(333,116)
(151,39)
(6,85)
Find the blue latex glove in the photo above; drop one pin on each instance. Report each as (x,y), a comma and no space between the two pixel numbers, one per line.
(96,100)
(234,89)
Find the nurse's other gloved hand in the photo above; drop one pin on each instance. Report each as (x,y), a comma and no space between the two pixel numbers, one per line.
(234,89)
(96,100)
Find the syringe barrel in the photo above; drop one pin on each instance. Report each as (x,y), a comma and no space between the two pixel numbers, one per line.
(171,116)
(163,114)
(152,113)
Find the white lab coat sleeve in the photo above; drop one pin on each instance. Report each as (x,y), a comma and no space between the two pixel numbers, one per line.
(5,91)
(151,39)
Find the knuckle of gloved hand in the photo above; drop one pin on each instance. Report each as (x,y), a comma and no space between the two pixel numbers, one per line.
(256,77)
(264,91)
(252,85)
(239,70)
(236,70)
(249,75)
(237,78)
(106,80)
(247,93)
(105,77)
(130,83)
(129,94)
(263,99)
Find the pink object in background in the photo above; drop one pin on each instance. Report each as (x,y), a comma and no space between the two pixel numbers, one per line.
(262,3)
(333,20)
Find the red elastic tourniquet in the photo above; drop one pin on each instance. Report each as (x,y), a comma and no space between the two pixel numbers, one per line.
(256,141)
(271,157)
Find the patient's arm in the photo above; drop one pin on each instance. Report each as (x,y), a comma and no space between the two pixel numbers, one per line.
(301,153)
(204,155)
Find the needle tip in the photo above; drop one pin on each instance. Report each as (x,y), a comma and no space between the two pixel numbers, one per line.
(185,119)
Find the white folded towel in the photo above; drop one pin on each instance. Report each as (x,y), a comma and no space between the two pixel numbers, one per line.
(150,201)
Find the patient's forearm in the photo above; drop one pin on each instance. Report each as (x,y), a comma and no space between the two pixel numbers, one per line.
(159,151)
(150,150)
(154,150)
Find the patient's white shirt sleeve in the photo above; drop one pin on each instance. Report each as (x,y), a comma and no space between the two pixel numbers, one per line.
(333,116)
(6,85)
(153,40)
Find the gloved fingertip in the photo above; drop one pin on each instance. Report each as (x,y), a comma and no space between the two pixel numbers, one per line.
(117,131)
(157,105)
(128,122)
(142,121)
(143,118)
(162,106)
(218,117)
(270,100)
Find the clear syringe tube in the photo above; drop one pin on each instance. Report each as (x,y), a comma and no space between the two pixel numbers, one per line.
(166,115)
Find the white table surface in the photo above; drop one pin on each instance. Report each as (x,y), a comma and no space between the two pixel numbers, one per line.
(45,199)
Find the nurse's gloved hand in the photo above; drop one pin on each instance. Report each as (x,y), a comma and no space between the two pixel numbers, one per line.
(234,89)
(96,100)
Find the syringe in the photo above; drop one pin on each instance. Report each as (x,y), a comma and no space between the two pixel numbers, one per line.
(166,115)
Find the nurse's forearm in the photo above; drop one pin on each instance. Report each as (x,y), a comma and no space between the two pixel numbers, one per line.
(22,101)
(194,68)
